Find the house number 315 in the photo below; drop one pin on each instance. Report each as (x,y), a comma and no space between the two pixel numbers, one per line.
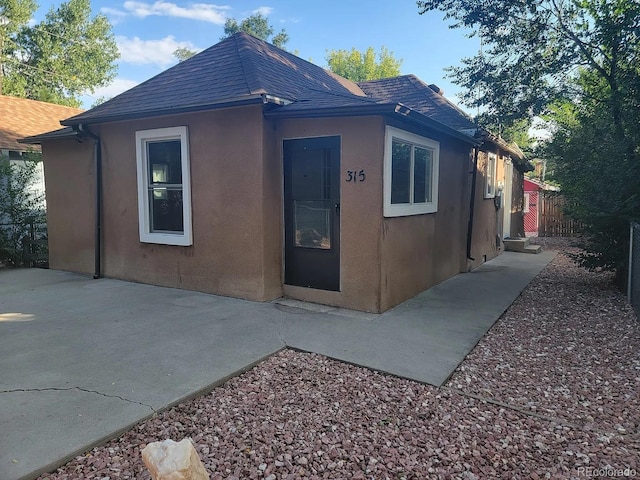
(355,176)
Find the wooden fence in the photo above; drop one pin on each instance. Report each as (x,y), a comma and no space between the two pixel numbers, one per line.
(32,249)
(633,292)
(35,252)
(553,221)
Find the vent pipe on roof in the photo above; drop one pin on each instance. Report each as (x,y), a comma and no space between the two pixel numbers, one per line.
(436,89)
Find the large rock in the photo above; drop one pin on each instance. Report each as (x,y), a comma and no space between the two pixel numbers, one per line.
(171,460)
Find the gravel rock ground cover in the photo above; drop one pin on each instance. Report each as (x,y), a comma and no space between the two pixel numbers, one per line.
(552,391)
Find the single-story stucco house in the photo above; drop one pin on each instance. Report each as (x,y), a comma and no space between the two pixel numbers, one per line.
(249,172)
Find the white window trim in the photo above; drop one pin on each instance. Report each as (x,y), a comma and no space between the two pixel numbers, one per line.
(527,199)
(490,183)
(184,238)
(406,209)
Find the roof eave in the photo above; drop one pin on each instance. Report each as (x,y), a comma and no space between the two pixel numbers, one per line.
(53,135)
(513,150)
(226,103)
(441,127)
(393,109)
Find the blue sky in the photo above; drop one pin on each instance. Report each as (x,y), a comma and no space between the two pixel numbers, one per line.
(147,32)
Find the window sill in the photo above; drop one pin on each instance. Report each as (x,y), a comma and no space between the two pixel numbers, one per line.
(409,210)
(180,240)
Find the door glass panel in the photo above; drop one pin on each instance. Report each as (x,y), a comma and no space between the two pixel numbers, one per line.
(312,224)
(400,172)
(310,176)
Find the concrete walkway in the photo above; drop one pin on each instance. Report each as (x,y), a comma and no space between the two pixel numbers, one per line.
(83,360)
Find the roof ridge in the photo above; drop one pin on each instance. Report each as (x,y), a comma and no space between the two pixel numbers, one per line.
(346,95)
(415,79)
(387,79)
(240,58)
(293,60)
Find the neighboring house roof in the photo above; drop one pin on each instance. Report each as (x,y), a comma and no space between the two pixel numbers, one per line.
(21,117)
(245,70)
(538,184)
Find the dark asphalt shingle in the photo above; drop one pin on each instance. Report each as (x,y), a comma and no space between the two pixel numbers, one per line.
(238,67)
(417,95)
(241,68)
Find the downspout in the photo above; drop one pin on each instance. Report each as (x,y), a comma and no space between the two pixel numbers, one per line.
(97,155)
(472,203)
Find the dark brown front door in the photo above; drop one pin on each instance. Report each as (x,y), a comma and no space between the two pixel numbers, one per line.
(312,212)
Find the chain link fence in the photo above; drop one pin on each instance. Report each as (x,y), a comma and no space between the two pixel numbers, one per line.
(634,268)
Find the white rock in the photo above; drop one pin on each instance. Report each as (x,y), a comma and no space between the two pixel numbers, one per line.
(169,460)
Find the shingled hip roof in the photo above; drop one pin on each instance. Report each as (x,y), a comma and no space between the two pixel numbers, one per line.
(239,69)
(243,70)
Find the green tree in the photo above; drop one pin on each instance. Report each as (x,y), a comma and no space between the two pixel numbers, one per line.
(183,53)
(14,14)
(21,206)
(258,26)
(595,171)
(576,60)
(59,58)
(358,66)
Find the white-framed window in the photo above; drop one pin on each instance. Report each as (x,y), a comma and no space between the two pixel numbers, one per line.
(490,176)
(411,165)
(527,199)
(164,186)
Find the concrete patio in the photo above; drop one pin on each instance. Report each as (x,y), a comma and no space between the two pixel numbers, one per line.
(83,359)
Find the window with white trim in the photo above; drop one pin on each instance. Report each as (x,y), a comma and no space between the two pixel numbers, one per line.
(410,173)
(164,186)
(490,176)
(527,199)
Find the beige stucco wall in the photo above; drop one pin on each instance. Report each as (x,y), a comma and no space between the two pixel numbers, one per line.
(420,251)
(362,148)
(486,217)
(232,246)
(69,170)
(272,188)
(237,188)
(488,222)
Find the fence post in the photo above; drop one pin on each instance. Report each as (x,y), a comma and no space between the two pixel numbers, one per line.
(26,247)
(634,269)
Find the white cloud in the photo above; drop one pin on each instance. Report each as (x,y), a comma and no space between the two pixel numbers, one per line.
(113,11)
(264,11)
(116,87)
(145,52)
(205,12)
(290,20)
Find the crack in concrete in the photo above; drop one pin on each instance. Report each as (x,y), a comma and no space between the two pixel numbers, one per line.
(86,390)
(281,324)
(280,335)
